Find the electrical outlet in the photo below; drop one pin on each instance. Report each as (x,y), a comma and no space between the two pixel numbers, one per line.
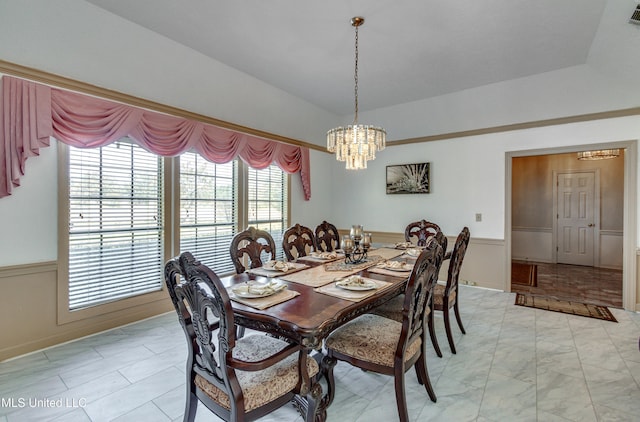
(478,217)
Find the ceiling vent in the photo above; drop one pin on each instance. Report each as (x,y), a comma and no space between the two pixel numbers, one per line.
(635,18)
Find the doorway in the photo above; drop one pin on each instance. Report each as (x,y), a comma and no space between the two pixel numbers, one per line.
(534,229)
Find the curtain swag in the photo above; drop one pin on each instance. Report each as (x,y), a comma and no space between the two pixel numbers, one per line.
(31,113)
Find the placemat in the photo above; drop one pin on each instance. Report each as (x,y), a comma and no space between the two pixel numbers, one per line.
(388,253)
(271,273)
(317,276)
(264,302)
(314,259)
(352,295)
(384,271)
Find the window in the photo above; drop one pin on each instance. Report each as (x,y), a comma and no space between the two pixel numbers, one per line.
(208,212)
(267,202)
(115,223)
(119,219)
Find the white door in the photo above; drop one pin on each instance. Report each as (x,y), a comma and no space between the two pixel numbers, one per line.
(576,218)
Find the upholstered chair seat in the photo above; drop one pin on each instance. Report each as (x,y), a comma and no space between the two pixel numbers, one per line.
(438,295)
(238,379)
(393,309)
(371,338)
(259,387)
(446,297)
(386,346)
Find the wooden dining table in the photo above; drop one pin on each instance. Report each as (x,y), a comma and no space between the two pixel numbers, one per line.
(308,318)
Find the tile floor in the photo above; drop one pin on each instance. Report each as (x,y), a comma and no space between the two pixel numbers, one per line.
(514,364)
(600,286)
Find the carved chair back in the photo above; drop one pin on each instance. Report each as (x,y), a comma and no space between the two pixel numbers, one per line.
(200,313)
(253,243)
(298,239)
(327,237)
(422,230)
(419,292)
(457,255)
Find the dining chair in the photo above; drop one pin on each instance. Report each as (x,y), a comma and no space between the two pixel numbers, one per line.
(253,243)
(447,296)
(382,345)
(327,237)
(392,309)
(298,241)
(237,379)
(422,229)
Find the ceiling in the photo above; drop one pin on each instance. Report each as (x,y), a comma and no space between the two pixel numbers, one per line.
(409,50)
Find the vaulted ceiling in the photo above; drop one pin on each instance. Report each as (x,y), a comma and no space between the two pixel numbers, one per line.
(409,50)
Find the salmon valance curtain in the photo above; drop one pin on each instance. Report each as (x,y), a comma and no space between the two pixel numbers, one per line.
(32,112)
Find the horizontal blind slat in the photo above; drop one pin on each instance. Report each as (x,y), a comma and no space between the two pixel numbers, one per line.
(116,223)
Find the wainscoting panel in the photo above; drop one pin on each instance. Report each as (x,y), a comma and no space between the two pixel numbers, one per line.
(532,244)
(28,311)
(611,249)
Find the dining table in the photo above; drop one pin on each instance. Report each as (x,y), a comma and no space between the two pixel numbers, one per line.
(310,303)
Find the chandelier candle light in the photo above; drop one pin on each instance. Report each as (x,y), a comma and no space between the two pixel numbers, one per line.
(355,245)
(356,144)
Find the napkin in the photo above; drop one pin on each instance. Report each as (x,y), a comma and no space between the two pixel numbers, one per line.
(324,255)
(277,265)
(403,245)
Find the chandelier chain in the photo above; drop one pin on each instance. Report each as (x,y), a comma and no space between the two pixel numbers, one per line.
(355,77)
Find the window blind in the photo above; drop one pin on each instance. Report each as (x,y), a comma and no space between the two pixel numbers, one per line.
(267,204)
(208,217)
(115,223)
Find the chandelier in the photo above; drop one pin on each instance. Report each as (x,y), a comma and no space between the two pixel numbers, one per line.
(601,154)
(356,144)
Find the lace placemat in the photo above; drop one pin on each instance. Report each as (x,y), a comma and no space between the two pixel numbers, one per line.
(314,259)
(318,276)
(273,273)
(384,271)
(352,295)
(264,302)
(388,253)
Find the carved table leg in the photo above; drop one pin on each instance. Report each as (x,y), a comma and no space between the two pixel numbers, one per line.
(326,367)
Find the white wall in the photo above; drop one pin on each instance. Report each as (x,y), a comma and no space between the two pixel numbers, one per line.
(467,177)
(29,217)
(313,212)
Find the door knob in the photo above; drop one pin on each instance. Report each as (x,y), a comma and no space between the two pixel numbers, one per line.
(591,224)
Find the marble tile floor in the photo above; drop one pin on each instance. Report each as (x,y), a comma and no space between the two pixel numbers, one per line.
(514,364)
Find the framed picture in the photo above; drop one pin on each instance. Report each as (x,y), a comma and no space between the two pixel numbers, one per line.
(408,178)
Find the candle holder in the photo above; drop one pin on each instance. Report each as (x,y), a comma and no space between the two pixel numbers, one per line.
(355,245)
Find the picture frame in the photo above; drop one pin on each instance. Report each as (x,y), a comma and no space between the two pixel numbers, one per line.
(408,178)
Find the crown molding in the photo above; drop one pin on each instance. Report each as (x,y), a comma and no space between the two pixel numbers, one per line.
(521,126)
(74,85)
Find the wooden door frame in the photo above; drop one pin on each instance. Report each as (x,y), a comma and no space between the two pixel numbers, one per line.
(629,259)
(596,213)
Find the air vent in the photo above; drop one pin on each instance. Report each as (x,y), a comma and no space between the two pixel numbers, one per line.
(635,18)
